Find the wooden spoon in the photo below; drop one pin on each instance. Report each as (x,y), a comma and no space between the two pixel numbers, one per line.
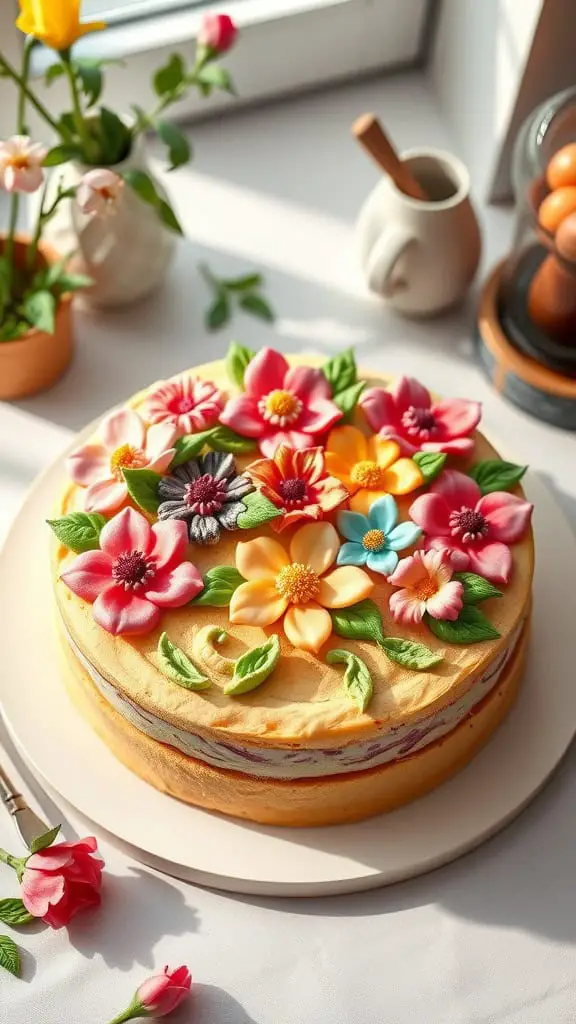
(370,134)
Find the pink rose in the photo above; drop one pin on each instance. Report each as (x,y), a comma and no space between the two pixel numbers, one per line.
(61,880)
(217,32)
(21,164)
(162,993)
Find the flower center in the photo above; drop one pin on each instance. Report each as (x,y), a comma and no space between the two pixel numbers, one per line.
(426,588)
(205,495)
(293,490)
(133,569)
(126,457)
(181,404)
(419,422)
(280,407)
(367,474)
(374,540)
(468,525)
(298,582)
(19,161)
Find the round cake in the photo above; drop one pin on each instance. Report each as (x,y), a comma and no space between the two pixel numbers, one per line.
(297,594)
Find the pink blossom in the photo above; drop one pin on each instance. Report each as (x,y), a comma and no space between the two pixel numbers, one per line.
(62,879)
(162,993)
(475,530)
(406,414)
(217,32)
(427,586)
(187,403)
(125,443)
(139,570)
(99,191)
(21,164)
(281,405)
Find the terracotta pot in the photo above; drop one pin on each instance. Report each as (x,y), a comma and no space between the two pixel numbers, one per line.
(36,361)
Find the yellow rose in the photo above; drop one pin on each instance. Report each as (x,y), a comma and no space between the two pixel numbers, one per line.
(54,22)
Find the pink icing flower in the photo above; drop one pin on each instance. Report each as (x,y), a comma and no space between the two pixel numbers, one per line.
(99,191)
(427,586)
(406,414)
(61,880)
(125,443)
(475,530)
(162,993)
(187,403)
(281,405)
(139,570)
(21,164)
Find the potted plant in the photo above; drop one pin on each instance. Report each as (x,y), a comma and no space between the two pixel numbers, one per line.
(126,256)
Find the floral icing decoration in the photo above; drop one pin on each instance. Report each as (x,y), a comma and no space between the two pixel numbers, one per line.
(186,403)
(342,376)
(219,439)
(78,531)
(220,582)
(426,583)
(408,415)
(126,442)
(176,665)
(296,585)
(206,493)
(369,468)
(254,667)
(375,539)
(297,483)
(363,621)
(496,475)
(471,627)
(476,530)
(203,649)
(138,571)
(357,681)
(237,359)
(281,405)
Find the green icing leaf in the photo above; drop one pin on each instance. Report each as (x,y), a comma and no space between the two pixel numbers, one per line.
(142,487)
(254,667)
(362,621)
(79,531)
(430,464)
(219,585)
(189,447)
(46,839)
(176,666)
(237,359)
(340,372)
(10,955)
(496,475)
(224,439)
(347,400)
(410,653)
(476,588)
(470,627)
(13,911)
(259,510)
(357,680)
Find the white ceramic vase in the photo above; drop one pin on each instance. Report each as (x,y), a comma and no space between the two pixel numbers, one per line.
(126,253)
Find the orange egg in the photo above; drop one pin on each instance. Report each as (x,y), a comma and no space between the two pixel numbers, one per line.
(566,238)
(556,206)
(562,167)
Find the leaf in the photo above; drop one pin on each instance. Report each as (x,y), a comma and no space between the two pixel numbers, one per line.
(66,123)
(470,627)
(10,955)
(220,583)
(218,313)
(189,446)
(224,439)
(90,77)
(347,400)
(476,588)
(142,487)
(216,77)
(53,72)
(410,653)
(340,372)
(179,151)
(496,475)
(168,217)
(46,839)
(12,328)
(257,306)
(115,137)
(357,680)
(40,308)
(13,911)
(142,185)
(73,282)
(170,76)
(362,621)
(79,531)
(178,667)
(254,667)
(430,464)
(61,154)
(259,510)
(237,359)
(242,284)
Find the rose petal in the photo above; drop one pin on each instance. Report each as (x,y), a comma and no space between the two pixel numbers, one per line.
(431,513)
(175,587)
(307,383)
(119,611)
(88,464)
(260,559)
(40,890)
(124,426)
(507,514)
(265,373)
(105,496)
(241,414)
(89,574)
(457,489)
(493,561)
(128,531)
(315,545)
(256,603)
(457,417)
(344,586)
(307,626)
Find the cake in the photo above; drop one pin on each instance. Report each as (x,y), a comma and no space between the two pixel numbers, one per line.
(289,592)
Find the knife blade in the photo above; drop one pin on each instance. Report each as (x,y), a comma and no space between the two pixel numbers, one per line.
(28,825)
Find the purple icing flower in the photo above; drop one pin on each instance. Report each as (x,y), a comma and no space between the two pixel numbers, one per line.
(207,493)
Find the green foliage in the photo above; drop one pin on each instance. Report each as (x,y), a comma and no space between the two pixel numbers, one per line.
(40,310)
(61,154)
(169,76)
(114,137)
(257,306)
(143,186)
(91,81)
(179,151)
(240,291)
(214,76)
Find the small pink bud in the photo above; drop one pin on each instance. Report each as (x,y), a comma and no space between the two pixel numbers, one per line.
(162,993)
(217,32)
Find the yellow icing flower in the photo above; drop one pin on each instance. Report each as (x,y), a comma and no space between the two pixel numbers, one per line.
(295,583)
(369,467)
(56,23)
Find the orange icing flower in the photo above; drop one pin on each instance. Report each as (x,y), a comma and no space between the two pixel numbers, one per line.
(369,467)
(297,482)
(296,584)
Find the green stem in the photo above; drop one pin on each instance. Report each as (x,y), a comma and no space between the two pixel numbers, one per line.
(32,98)
(81,128)
(172,97)
(33,247)
(129,1014)
(20,128)
(12,862)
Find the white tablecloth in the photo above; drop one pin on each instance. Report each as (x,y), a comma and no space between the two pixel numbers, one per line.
(489,939)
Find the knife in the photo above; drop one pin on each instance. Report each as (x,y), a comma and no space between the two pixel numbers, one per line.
(28,825)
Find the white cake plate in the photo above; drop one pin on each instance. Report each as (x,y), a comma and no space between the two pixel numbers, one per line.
(213,850)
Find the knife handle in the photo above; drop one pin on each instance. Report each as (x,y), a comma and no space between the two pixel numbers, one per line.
(28,824)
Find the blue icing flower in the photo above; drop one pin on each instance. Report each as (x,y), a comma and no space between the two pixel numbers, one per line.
(373,540)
